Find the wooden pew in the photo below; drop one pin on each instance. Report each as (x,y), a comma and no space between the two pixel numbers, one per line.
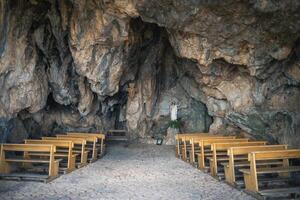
(179,137)
(101,139)
(69,145)
(6,161)
(194,141)
(251,175)
(80,142)
(91,139)
(229,167)
(186,143)
(205,148)
(217,147)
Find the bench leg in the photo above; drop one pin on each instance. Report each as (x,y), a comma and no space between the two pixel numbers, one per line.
(53,172)
(228,175)
(250,183)
(84,158)
(94,153)
(212,168)
(4,167)
(201,165)
(26,165)
(285,163)
(72,163)
(191,160)
(176,151)
(182,153)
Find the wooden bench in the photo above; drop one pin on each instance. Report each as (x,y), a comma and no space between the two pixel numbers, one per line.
(229,167)
(251,175)
(205,148)
(187,146)
(80,143)
(217,147)
(6,161)
(195,144)
(89,139)
(179,140)
(101,139)
(69,155)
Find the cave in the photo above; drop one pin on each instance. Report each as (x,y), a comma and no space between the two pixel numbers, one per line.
(80,64)
(231,67)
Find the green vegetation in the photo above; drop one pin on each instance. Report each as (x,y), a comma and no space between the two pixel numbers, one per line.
(174,124)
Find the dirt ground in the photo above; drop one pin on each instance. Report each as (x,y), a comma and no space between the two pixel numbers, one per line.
(128,172)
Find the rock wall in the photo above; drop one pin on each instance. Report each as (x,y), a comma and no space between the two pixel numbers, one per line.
(231,66)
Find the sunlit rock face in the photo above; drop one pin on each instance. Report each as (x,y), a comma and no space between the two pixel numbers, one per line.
(231,66)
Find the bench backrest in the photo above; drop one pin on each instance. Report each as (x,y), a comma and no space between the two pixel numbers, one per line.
(226,146)
(276,154)
(187,136)
(28,147)
(81,141)
(98,135)
(208,142)
(87,138)
(241,150)
(190,138)
(197,139)
(57,143)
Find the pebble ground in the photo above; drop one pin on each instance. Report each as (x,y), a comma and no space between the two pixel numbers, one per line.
(128,172)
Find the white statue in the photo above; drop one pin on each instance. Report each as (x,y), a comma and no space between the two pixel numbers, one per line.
(173,110)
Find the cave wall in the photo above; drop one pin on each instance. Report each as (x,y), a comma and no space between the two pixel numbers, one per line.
(231,66)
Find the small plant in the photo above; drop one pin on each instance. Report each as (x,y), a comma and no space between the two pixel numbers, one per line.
(174,124)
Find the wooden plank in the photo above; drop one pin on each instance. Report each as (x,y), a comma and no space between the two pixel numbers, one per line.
(280,191)
(27,177)
(240,150)
(98,135)
(57,143)
(27,147)
(74,140)
(277,154)
(26,160)
(219,146)
(87,138)
(271,170)
(247,163)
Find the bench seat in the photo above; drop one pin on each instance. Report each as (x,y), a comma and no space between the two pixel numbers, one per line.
(280,191)
(226,158)
(272,170)
(56,154)
(247,163)
(26,160)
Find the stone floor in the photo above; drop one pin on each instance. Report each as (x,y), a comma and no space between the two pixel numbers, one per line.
(133,172)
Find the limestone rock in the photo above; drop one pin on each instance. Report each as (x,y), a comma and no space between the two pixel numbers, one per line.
(231,66)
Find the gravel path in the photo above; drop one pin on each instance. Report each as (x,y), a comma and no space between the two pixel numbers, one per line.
(133,172)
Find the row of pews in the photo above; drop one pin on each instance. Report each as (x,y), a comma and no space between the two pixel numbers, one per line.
(263,170)
(46,158)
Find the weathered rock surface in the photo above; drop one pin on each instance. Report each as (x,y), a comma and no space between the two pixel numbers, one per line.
(231,66)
